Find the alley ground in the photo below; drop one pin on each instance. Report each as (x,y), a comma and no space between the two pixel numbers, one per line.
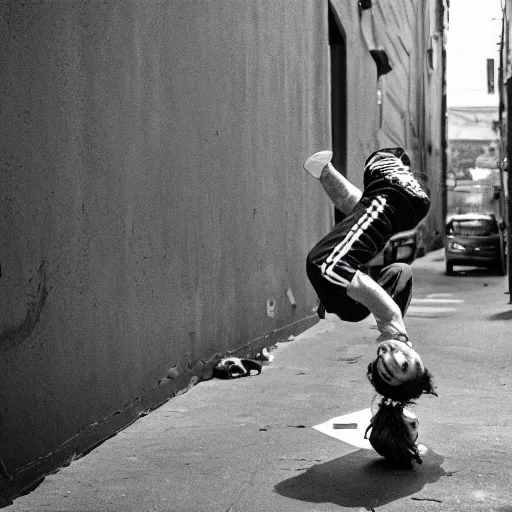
(248,444)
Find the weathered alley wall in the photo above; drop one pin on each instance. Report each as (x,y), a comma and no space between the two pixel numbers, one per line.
(152,200)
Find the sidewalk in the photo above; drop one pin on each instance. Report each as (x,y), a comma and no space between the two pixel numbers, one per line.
(245,444)
(225,443)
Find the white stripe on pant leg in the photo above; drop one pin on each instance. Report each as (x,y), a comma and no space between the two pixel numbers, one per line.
(375,207)
(365,220)
(333,277)
(340,281)
(357,235)
(353,235)
(385,161)
(388,165)
(330,275)
(379,155)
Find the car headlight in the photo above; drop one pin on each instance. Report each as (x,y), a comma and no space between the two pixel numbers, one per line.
(454,246)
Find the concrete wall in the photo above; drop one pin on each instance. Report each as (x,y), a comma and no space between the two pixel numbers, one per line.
(153,200)
(152,197)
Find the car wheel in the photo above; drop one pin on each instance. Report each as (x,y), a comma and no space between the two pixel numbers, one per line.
(449,269)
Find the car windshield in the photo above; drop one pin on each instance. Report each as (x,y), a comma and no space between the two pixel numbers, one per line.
(472,227)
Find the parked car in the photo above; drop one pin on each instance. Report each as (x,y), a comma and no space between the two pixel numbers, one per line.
(475,239)
(401,248)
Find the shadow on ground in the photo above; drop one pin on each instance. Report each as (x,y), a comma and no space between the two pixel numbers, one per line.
(361,480)
(474,272)
(504,315)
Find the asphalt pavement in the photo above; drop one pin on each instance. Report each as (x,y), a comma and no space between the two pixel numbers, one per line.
(248,445)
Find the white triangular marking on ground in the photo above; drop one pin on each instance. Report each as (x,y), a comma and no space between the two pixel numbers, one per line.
(436,301)
(352,436)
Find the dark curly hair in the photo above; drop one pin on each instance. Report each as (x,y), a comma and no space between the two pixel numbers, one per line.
(390,438)
(407,391)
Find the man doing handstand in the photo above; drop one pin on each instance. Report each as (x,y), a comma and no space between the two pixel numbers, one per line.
(392,201)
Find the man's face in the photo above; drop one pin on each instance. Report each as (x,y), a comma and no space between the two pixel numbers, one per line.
(397,363)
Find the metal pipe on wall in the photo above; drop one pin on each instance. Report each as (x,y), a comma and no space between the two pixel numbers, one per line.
(509,183)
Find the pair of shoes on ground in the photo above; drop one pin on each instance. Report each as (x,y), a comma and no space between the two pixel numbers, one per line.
(316,163)
(234,367)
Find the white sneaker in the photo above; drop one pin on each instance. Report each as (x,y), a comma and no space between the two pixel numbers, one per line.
(315,163)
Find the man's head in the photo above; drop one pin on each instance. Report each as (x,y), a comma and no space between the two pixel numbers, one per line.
(398,372)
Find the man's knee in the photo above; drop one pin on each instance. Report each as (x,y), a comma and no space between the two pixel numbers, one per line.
(401,271)
(396,278)
(338,272)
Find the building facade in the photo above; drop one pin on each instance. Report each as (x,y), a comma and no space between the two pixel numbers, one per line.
(155,214)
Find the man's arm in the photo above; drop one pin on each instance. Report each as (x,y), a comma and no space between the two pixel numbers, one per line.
(366,291)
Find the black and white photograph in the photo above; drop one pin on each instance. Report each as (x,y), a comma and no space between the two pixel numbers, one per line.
(255,255)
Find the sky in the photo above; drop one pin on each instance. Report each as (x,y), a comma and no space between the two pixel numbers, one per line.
(473,36)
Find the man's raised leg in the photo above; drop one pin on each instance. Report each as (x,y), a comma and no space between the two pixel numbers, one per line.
(343,194)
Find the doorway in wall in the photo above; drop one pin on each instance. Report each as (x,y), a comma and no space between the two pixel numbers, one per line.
(338,53)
